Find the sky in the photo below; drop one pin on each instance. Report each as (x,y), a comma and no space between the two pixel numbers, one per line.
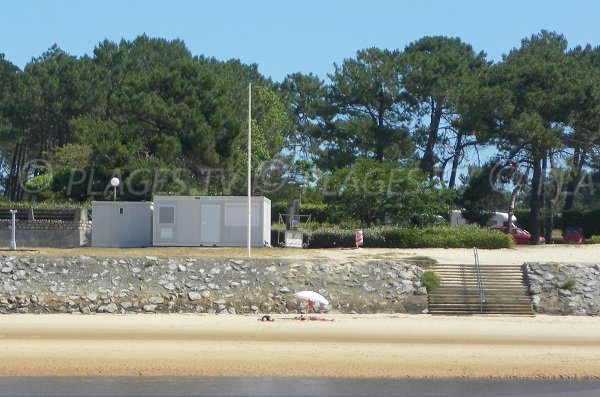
(284,37)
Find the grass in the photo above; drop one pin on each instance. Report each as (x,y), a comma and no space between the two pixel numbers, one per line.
(569,285)
(431,281)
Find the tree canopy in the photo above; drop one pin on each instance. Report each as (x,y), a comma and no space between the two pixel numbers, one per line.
(167,121)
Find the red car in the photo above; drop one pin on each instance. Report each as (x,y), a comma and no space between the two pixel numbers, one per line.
(574,235)
(519,236)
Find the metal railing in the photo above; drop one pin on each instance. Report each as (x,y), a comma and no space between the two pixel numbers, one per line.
(479,281)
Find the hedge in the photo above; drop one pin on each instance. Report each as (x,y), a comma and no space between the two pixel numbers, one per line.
(588,220)
(398,237)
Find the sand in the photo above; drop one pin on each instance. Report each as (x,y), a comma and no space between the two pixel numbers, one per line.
(508,256)
(360,346)
(352,346)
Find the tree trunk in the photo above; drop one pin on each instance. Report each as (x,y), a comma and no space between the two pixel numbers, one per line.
(579,156)
(536,200)
(8,189)
(427,162)
(380,137)
(455,160)
(18,190)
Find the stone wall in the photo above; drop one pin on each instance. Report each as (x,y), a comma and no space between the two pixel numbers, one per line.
(564,288)
(47,233)
(32,284)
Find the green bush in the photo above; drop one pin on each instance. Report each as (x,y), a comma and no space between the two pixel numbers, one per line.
(430,280)
(593,240)
(569,285)
(319,212)
(405,237)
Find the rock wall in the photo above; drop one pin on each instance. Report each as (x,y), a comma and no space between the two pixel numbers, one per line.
(47,233)
(33,284)
(564,288)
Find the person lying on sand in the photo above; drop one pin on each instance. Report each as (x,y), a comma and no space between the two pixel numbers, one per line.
(311,318)
(266,317)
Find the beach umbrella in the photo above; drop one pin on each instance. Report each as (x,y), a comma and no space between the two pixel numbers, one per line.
(311,298)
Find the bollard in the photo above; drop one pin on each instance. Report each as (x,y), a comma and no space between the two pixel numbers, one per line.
(13,242)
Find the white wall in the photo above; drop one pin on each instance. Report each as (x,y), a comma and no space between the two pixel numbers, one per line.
(121,224)
(225,221)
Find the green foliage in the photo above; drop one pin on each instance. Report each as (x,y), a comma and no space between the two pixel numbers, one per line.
(437,74)
(150,263)
(524,107)
(370,191)
(430,280)
(165,121)
(24,205)
(569,285)
(368,120)
(479,198)
(319,213)
(588,220)
(595,239)
(39,184)
(400,237)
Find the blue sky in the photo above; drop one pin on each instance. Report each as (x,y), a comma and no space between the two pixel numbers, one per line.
(284,37)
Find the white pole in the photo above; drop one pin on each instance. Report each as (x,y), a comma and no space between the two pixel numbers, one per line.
(249,168)
(13,241)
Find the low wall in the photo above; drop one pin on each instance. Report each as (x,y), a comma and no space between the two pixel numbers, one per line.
(47,233)
(32,284)
(564,288)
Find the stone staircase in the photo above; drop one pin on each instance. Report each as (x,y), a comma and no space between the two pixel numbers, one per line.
(504,287)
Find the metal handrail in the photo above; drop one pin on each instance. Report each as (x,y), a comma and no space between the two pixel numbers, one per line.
(479,281)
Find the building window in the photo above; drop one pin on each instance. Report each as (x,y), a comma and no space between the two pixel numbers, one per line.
(166,214)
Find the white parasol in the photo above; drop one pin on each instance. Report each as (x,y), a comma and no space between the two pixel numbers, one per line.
(311,297)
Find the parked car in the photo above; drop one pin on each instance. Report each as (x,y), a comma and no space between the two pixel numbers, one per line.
(519,236)
(574,235)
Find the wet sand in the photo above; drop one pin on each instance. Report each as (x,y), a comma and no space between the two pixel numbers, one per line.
(352,346)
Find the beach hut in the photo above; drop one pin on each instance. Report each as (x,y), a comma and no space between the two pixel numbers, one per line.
(210,221)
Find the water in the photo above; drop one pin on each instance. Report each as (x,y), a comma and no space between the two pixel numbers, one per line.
(291,387)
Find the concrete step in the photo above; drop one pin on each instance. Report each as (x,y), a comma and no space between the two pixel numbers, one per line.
(505,289)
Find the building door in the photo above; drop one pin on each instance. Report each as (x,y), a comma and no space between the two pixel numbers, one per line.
(210,224)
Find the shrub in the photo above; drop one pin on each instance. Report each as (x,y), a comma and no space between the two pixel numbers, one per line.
(150,263)
(569,285)
(406,237)
(331,238)
(430,280)
(593,240)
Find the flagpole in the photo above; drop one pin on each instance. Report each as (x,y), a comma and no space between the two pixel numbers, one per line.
(249,168)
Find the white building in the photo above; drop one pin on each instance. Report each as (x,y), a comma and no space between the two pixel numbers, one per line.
(121,224)
(210,221)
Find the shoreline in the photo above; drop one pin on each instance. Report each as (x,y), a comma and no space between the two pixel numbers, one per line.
(378,346)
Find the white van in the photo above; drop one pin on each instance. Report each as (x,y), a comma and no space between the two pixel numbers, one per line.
(498,219)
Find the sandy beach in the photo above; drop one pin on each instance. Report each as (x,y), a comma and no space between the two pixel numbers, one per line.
(507,256)
(352,346)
